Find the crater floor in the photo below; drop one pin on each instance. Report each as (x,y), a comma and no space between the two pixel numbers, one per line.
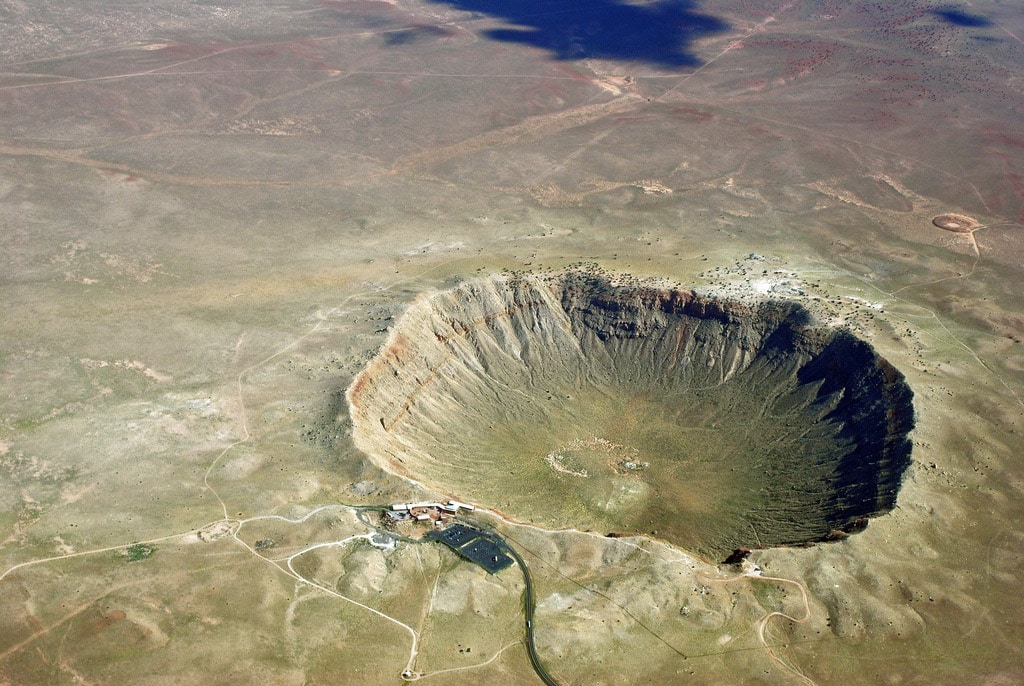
(619,405)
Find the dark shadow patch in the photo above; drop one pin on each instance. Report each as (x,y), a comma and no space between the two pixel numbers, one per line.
(960,18)
(659,33)
(417,33)
(876,413)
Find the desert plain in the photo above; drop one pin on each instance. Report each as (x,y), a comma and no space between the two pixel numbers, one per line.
(215,216)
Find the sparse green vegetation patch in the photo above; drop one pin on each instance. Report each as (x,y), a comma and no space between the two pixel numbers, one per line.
(137,552)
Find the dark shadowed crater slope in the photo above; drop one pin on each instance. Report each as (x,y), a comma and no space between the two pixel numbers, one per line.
(618,405)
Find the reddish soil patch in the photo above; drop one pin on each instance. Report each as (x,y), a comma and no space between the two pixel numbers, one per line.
(693,113)
(957,223)
(104,623)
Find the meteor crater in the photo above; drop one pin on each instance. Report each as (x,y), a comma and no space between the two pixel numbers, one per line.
(616,404)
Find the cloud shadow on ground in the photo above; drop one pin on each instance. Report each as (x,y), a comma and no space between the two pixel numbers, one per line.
(659,33)
(960,18)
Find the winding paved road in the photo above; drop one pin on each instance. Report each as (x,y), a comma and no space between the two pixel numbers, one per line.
(529,602)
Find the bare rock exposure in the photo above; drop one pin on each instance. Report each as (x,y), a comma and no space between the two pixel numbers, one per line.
(618,405)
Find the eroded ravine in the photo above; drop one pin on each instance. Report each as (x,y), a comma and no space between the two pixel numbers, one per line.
(617,405)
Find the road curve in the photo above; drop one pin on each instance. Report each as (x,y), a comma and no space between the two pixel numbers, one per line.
(529,601)
(529,598)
